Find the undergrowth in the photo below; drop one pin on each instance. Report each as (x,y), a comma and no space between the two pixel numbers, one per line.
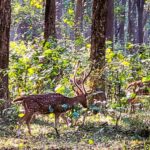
(99,132)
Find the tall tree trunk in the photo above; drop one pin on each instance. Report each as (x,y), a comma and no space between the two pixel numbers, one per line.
(132,21)
(132,24)
(145,21)
(122,24)
(79,17)
(59,12)
(98,36)
(110,20)
(116,21)
(116,29)
(88,15)
(140,8)
(5,20)
(50,17)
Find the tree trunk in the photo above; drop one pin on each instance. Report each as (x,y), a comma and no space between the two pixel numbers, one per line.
(88,15)
(59,13)
(140,8)
(5,20)
(132,21)
(50,17)
(98,36)
(110,20)
(79,17)
(122,24)
(146,20)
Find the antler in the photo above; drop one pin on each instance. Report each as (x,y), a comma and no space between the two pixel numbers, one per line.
(81,88)
(74,78)
(85,77)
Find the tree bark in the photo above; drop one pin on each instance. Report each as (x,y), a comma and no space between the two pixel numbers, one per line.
(146,19)
(98,37)
(140,8)
(88,15)
(122,24)
(5,21)
(79,17)
(110,21)
(59,12)
(132,27)
(50,18)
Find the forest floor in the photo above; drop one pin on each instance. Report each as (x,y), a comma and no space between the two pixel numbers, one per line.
(98,133)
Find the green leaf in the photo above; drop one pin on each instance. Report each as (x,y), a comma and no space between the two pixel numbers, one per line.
(48,52)
(60,89)
(70,11)
(126,63)
(91,141)
(146,79)
(21,115)
(129,46)
(31,71)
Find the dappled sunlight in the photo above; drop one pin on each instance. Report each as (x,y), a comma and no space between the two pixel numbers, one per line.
(74,75)
(97,132)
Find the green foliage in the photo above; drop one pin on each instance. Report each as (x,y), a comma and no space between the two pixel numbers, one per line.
(34,69)
(68,17)
(27,17)
(11,114)
(122,69)
(36,3)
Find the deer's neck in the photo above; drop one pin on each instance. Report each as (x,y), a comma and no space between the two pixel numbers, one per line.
(75,100)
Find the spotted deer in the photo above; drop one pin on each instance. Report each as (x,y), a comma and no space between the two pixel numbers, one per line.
(137,88)
(52,103)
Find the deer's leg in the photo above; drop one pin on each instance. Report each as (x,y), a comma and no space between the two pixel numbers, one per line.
(28,120)
(84,117)
(66,120)
(21,121)
(56,123)
(25,114)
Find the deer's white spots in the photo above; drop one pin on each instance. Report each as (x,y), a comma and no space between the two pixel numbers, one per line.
(50,109)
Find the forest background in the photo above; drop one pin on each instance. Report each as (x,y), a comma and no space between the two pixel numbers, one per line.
(45,39)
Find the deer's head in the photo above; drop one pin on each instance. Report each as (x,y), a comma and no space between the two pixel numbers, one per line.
(79,85)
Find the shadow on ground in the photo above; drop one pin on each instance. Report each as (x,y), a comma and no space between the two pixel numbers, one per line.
(100,134)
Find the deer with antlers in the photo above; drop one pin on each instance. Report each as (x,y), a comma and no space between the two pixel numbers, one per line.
(52,103)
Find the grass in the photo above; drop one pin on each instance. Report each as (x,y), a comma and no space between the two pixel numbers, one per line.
(98,133)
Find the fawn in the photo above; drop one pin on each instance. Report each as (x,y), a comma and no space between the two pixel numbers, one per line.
(52,103)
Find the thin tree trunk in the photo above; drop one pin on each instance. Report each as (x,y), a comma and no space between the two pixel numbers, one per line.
(116,22)
(78,17)
(98,36)
(50,17)
(140,8)
(116,30)
(146,32)
(5,21)
(59,13)
(132,21)
(88,14)
(122,25)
